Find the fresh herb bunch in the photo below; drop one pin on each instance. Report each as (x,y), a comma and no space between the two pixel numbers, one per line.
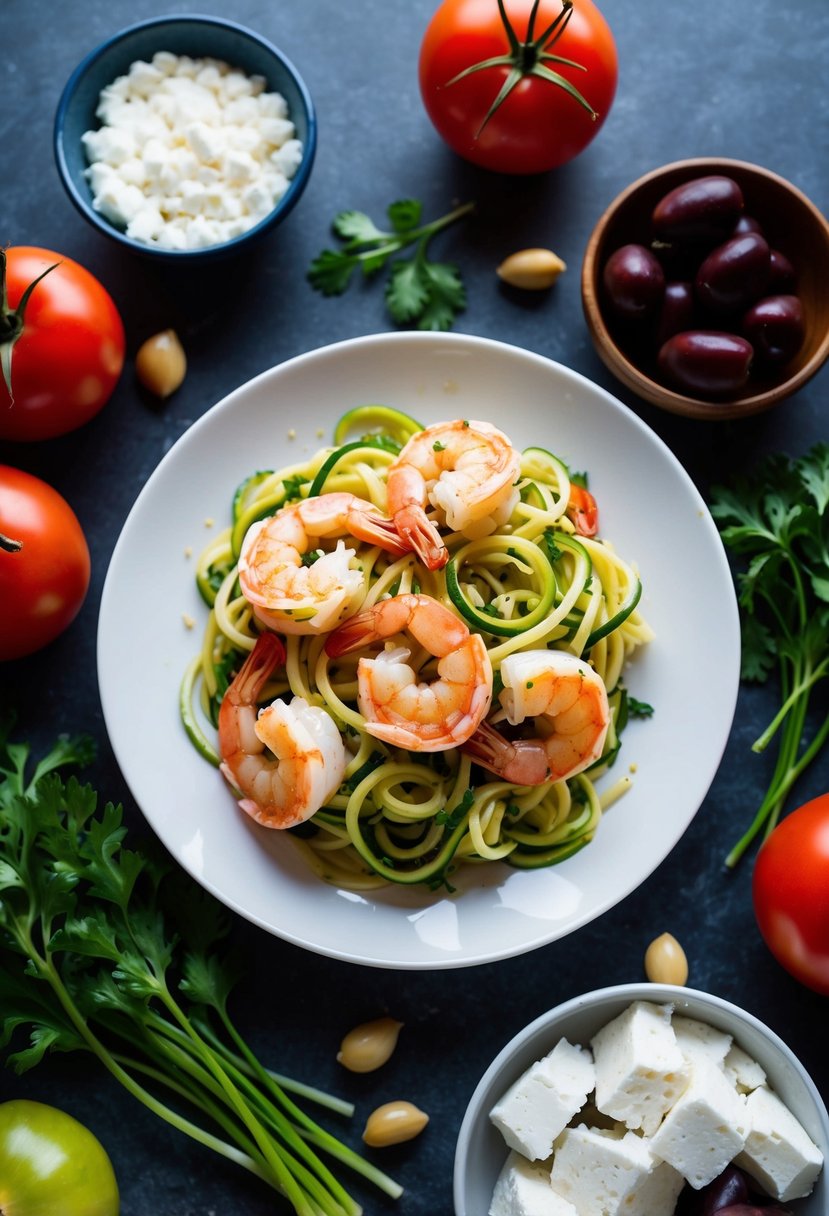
(777,520)
(418,291)
(104,950)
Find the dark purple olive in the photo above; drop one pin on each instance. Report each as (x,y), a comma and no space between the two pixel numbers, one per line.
(706,362)
(783,278)
(705,209)
(754,1209)
(728,1188)
(634,281)
(747,223)
(677,311)
(774,326)
(735,274)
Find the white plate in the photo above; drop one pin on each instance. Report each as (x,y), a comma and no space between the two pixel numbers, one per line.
(650,510)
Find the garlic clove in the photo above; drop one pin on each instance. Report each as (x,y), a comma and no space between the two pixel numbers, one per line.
(161,363)
(369,1045)
(394,1123)
(665,961)
(531,269)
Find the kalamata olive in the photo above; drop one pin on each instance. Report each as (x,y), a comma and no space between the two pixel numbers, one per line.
(774,326)
(783,277)
(734,274)
(754,1209)
(634,281)
(705,209)
(747,223)
(728,1188)
(677,311)
(707,362)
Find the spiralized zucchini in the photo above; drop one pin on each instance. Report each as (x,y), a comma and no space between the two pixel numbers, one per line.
(415,818)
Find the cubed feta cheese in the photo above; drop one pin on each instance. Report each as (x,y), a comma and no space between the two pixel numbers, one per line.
(705,1128)
(523,1189)
(778,1152)
(693,1037)
(744,1073)
(640,1071)
(540,1104)
(658,1193)
(600,1173)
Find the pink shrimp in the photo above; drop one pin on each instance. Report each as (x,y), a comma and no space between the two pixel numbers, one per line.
(398,707)
(465,469)
(309,757)
(292,597)
(568,699)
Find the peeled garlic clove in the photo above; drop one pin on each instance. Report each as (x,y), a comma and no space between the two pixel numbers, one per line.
(161,363)
(393,1123)
(369,1045)
(665,961)
(532,269)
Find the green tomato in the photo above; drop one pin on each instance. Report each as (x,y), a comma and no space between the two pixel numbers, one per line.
(49,1162)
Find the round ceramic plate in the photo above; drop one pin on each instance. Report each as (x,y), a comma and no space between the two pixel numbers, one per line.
(284,415)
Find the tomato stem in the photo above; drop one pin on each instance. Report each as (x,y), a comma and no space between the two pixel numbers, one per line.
(529,58)
(12,320)
(8,545)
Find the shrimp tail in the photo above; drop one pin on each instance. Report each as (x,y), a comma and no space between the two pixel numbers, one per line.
(420,534)
(377,530)
(268,654)
(582,511)
(520,761)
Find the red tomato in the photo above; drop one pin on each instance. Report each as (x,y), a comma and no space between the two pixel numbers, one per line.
(790,887)
(539,125)
(69,354)
(44,582)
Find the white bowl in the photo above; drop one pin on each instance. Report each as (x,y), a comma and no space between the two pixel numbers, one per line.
(481,1150)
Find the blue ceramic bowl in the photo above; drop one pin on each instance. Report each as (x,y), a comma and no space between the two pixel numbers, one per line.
(199,37)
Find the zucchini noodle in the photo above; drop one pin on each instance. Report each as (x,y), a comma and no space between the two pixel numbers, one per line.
(415,818)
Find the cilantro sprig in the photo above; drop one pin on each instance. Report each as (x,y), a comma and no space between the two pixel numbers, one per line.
(106,951)
(777,521)
(418,291)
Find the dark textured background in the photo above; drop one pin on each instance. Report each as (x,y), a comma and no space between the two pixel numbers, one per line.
(744,79)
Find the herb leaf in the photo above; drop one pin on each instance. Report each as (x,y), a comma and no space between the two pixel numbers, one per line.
(419,291)
(777,523)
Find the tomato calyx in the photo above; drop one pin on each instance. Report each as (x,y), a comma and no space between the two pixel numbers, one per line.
(530,58)
(12,320)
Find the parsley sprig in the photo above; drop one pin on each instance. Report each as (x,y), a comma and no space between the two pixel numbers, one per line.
(778,522)
(106,951)
(418,291)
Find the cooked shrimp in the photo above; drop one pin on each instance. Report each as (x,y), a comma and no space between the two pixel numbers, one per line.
(398,707)
(467,470)
(296,598)
(568,700)
(582,511)
(309,757)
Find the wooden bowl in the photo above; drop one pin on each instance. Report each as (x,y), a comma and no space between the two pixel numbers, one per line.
(792,224)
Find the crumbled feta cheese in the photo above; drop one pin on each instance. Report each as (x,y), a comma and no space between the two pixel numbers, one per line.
(778,1153)
(175,123)
(599,1172)
(544,1099)
(640,1071)
(523,1189)
(705,1128)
